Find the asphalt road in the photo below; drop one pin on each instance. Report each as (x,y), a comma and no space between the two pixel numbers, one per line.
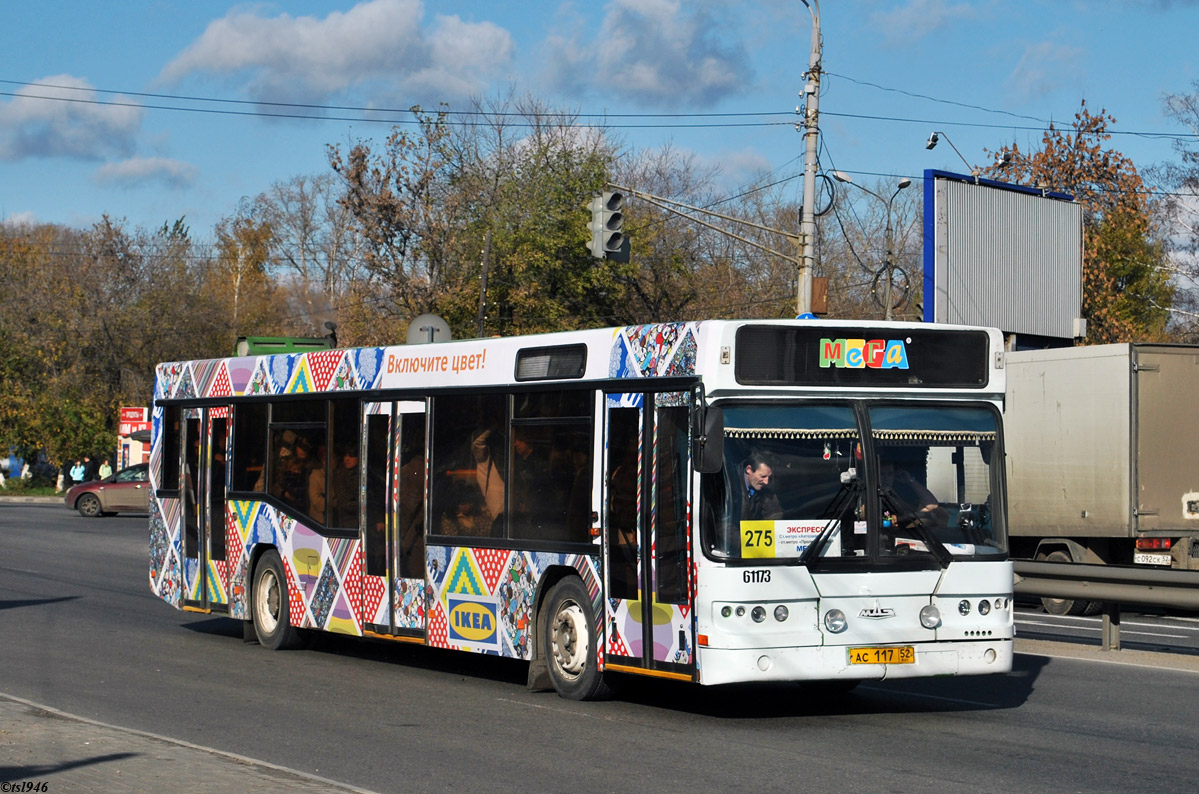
(80,631)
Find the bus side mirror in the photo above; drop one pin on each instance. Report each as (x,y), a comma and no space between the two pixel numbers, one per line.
(707,434)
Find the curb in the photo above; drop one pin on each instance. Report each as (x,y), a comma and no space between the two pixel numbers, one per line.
(35,500)
(68,752)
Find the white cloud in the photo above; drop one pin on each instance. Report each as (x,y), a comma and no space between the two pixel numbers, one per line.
(60,116)
(655,52)
(137,171)
(19,219)
(918,18)
(381,41)
(1042,69)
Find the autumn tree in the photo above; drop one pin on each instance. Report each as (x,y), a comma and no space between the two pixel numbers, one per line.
(1179,212)
(84,318)
(239,270)
(1126,288)
(483,221)
(398,199)
(524,175)
(316,249)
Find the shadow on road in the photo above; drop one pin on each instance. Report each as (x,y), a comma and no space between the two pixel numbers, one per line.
(736,701)
(35,771)
(33,602)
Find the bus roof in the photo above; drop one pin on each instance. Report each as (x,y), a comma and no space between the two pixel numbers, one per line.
(812,354)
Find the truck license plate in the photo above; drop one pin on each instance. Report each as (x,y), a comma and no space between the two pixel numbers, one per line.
(1141,558)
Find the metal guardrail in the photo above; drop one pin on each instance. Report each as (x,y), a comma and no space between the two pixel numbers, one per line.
(1110,585)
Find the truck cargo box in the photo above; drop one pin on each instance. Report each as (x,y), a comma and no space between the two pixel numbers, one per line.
(1101,443)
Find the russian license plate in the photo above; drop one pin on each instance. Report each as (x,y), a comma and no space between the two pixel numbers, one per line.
(898,654)
(1141,558)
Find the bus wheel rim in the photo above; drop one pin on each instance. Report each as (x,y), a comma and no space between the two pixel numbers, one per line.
(569,639)
(268,601)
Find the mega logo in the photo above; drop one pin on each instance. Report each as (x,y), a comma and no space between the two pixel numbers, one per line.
(473,620)
(863,353)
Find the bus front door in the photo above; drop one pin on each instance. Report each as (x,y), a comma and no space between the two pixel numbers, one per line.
(205,565)
(648,621)
(394,529)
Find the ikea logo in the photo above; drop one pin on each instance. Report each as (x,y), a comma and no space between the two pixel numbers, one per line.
(863,353)
(472,621)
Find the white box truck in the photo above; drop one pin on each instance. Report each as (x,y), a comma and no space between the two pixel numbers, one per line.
(1103,456)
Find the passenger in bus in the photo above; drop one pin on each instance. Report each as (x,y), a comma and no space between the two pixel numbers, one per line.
(758,501)
(538,505)
(464,519)
(343,499)
(488,476)
(295,469)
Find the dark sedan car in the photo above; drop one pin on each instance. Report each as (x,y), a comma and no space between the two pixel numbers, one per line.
(127,491)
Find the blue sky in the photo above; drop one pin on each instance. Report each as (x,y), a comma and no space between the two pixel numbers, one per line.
(986,72)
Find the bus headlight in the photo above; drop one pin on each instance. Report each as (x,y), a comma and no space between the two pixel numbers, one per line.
(781,613)
(930,617)
(758,614)
(963,607)
(834,621)
(984,607)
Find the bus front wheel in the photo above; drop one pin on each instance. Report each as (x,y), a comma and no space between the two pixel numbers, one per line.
(272,611)
(569,642)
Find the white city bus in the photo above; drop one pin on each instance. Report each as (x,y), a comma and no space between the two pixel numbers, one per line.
(716,502)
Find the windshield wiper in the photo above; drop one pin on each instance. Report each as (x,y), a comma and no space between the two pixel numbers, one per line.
(892,501)
(850,485)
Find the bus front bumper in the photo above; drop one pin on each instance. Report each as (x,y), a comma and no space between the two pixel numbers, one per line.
(833,662)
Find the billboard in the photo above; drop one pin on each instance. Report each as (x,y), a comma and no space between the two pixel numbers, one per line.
(1002,255)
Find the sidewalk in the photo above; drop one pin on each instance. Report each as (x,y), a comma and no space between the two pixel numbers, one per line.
(41,745)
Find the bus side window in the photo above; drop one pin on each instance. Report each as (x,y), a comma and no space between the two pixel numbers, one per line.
(249,447)
(170,448)
(469,455)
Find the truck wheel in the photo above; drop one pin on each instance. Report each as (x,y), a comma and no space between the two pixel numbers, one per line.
(569,642)
(1065,606)
(271,609)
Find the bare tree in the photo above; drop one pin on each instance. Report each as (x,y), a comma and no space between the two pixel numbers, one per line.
(316,247)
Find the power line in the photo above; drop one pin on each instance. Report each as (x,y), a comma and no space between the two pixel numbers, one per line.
(363,109)
(366,119)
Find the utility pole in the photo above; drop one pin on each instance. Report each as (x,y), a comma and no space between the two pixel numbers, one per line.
(807,227)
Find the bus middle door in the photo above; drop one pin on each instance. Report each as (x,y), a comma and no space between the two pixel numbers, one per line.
(394,532)
(205,565)
(647,478)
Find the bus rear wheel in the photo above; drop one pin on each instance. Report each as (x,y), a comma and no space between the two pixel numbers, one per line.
(271,608)
(569,643)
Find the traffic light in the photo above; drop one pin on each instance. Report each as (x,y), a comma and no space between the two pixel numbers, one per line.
(607,227)
(596,243)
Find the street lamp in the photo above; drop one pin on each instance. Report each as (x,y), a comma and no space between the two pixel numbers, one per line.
(841,176)
(932,142)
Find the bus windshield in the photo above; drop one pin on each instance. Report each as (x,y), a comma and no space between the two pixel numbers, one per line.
(796,485)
